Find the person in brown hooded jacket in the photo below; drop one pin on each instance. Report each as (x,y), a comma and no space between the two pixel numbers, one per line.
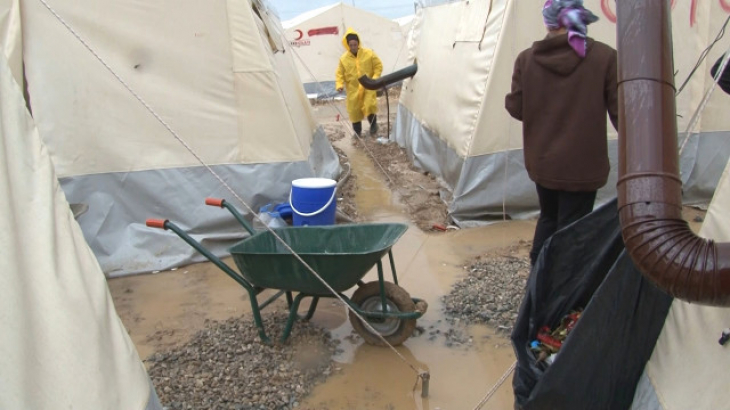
(562,88)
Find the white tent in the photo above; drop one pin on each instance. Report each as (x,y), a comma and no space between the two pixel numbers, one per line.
(317,40)
(62,344)
(216,73)
(451,116)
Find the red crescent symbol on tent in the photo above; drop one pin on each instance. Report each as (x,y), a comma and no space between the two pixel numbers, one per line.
(725,5)
(299,35)
(606,8)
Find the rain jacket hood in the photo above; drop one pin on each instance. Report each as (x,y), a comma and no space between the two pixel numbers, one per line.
(344,38)
(556,54)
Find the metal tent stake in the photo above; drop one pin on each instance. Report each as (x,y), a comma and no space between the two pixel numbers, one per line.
(425,379)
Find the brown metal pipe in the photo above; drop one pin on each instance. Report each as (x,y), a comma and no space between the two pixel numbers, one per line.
(658,239)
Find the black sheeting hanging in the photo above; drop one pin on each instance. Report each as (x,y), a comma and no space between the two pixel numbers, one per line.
(598,366)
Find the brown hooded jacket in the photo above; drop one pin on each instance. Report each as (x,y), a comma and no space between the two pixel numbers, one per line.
(562,100)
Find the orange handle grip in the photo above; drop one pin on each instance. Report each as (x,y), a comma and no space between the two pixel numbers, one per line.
(156,223)
(214,202)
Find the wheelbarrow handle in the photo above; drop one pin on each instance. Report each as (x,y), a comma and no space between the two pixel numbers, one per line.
(223,204)
(157,223)
(215,202)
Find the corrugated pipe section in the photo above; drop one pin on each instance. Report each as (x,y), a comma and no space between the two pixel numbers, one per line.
(658,239)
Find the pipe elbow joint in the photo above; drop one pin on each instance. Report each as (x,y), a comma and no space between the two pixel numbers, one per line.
(674,258)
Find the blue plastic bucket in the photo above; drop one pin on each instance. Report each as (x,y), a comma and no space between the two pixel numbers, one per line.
(313,201)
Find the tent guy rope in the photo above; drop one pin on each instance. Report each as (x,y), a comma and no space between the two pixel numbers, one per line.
(696,116)
(496,386)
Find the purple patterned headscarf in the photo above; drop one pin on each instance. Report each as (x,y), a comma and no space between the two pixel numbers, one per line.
(573,16)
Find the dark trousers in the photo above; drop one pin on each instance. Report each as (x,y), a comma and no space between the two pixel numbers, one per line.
(558,209)
(357,126)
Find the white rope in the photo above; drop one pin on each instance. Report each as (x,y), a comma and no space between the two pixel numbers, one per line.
(494,389)
(419,372)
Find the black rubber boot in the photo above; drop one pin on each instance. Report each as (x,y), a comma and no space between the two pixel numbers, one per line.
(373,120)
(357,126)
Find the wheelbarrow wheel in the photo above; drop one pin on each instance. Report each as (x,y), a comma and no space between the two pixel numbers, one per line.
(394,330)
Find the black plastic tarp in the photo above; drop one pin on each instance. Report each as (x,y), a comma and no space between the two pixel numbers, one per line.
(599,365)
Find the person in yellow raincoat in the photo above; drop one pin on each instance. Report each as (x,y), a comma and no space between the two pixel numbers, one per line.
(354,63)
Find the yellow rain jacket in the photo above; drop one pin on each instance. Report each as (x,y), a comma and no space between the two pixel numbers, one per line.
(360,102)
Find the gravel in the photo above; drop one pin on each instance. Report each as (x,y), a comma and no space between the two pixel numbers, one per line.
(225,366)
(490,294)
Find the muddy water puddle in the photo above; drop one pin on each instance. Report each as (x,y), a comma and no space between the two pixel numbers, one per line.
(167,308)
(373,198)
(376,378)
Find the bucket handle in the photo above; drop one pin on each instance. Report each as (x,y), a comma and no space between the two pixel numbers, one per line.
(332,198)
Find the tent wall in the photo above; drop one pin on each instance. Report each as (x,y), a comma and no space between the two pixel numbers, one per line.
(319,54)
(215,72)
(180,65)
(467,116)
(62,343)
(119,204)
(10,34)
(446,94)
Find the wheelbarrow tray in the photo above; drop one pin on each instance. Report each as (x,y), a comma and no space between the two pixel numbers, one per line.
(340,254)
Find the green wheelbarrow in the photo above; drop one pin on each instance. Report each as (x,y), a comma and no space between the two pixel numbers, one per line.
(340,254)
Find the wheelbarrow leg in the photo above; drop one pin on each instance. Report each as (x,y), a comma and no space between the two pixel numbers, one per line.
(392,266)
(289,299)
(292,316)
(381,281)
(312,308)
(257,318)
